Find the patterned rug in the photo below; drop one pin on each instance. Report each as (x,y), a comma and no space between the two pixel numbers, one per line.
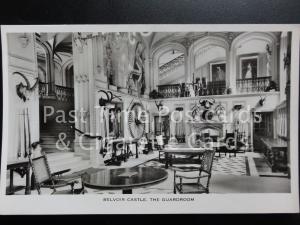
(225,165)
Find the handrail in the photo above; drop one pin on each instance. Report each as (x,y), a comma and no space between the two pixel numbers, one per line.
(257,84)
(86,135)
(254,78)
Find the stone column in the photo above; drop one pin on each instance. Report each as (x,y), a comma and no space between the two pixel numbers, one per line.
(188,66)
(150,77)
(147,75)
(232,70)
(228,70)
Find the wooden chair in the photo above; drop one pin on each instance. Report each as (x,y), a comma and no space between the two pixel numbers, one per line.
(160,145)
(43,177)
(184,173)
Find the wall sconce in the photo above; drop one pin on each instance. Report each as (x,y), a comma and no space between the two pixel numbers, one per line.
(24,40)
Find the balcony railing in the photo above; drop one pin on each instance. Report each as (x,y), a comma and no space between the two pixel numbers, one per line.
(44,89)
(191,90)
(64,94)
(170,90)
(249,85)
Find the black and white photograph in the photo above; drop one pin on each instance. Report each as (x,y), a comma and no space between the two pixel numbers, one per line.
(111,113)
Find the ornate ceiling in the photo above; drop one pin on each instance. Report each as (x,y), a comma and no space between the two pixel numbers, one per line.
(187,38)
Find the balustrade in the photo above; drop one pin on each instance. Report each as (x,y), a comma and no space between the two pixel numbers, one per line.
(170,90)
(258,84)
(61,93)
(43,89)
(191,90)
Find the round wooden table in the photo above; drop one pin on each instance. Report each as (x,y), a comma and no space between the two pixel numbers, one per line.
(124,178)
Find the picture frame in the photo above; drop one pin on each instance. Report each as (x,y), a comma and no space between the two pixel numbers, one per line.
(249,67)
(217,71)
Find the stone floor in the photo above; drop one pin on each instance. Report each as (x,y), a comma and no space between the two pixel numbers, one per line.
(241,165)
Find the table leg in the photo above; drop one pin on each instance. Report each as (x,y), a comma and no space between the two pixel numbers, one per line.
(136,151)
(32,181)
(167,160)
(127,151)
(127,191)
(11,180)
(28,185)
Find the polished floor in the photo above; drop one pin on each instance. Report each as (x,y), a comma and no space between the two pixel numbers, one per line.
(229,175)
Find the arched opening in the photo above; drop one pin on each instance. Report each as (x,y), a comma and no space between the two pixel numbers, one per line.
(171,68)
(255,62)
(55,68)
(209,66)
(43,63)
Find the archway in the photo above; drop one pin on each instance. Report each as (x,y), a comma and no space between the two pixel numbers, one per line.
(209,65)
(254,58)
(165,51)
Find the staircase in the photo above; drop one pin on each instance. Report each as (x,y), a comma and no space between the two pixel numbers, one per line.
(60,153)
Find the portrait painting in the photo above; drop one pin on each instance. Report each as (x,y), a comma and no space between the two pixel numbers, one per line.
(249,67)
(217,71)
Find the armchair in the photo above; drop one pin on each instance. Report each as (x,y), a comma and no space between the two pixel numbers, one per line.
(44,178)
(188,173)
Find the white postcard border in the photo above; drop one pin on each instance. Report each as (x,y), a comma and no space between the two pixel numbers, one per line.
(212,203)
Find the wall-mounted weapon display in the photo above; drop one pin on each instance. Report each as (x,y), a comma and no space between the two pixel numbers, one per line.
(24,88)
(106,97)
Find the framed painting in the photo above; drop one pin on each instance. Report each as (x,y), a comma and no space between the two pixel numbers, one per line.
(218,71)
(248,67)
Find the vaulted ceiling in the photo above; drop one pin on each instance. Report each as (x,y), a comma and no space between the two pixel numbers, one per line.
(155,39)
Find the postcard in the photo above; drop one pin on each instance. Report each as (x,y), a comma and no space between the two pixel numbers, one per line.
(150,119)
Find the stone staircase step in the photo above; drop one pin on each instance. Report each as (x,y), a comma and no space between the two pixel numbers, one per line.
(62,162)
(84,164)
(66,160)
(74,166)
(57,156)
(54,150)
